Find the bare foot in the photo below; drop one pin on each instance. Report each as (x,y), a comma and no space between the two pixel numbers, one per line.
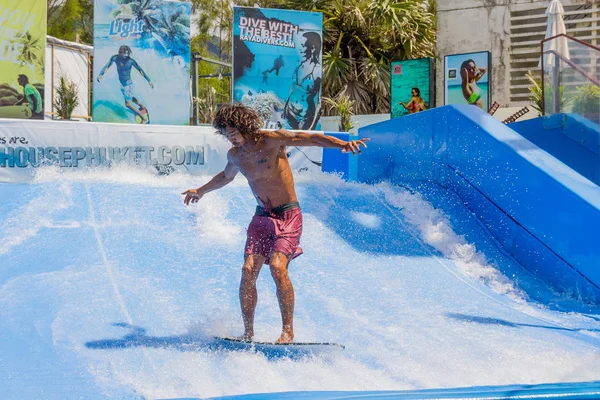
(246,337)
(286,337)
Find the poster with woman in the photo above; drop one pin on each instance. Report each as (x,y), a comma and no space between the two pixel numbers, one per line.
(467,79)
(277,65)
(142,62)
(411,86)
(22,53)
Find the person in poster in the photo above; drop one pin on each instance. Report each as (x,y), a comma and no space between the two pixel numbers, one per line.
(300,109)
(412,77)
(23,39)
(124,64)
(277,65)
(416,102)
(470,74)
(31,97)
(467,79)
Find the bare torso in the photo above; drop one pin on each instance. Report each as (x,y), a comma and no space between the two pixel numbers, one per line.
(266,167)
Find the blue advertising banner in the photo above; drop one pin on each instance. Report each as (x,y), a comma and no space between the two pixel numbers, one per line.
(277,65)
(142,62)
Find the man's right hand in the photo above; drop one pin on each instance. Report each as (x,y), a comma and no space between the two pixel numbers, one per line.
(191,195)
(99,78)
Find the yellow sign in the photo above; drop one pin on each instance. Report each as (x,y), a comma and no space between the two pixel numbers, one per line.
(22,53)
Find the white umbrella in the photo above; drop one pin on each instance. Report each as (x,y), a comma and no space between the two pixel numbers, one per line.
(556,26)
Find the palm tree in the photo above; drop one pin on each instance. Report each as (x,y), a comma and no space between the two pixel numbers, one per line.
(171,28)
(63,18)
(142,10)
(71,20)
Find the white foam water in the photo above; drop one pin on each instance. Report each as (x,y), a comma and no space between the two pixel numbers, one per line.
(111,287)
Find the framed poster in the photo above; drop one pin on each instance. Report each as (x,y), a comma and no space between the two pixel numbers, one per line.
(22,57)
(467,79)
(142,62)
(277,65)
(411,86)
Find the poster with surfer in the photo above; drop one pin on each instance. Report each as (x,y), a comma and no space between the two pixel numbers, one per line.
(142,62)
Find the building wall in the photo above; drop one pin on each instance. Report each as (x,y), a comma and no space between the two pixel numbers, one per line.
(511,30)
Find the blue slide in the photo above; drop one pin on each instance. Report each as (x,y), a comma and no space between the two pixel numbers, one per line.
(458,260)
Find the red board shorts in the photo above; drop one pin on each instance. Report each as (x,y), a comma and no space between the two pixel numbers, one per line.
(278,229)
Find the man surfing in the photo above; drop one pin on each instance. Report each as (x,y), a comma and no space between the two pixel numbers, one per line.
(124,63)
(273,236)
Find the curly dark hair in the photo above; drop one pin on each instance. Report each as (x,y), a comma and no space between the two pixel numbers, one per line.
(246,120)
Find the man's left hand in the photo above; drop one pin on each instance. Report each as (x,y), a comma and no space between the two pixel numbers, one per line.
(354,146)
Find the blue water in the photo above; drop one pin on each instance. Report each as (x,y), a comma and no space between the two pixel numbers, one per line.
(404,277)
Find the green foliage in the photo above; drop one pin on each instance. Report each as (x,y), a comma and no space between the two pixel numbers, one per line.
(207,104)
(535,89)
(586,101)
(537,96)
(32,49)
(66,98)
(71,20)
(214,40)
(342,106)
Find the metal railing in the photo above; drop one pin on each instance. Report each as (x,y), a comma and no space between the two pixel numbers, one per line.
(568,85)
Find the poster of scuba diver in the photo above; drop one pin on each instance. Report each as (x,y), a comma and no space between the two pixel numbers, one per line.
(467,79)
(277,65)
(22,54)
(411,86)
(141,62)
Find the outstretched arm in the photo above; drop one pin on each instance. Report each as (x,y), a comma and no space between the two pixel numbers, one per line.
(106,67)
(218,181)
(141,71)
(410,103)
(288,138)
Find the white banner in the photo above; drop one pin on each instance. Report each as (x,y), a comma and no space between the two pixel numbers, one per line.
(27,145)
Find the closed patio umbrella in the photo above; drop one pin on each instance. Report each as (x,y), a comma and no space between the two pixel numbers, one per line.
(556,26)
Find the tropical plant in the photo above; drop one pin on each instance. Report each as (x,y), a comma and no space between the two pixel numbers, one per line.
(215,26)
(172,31)
(586,102)
(142,10)
(537,96)
(71,20)
(30,55)
(343,107)
(206,104)
(535,93)
(173,25)
(66,98)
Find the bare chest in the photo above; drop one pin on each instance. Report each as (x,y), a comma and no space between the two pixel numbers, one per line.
(260,164)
